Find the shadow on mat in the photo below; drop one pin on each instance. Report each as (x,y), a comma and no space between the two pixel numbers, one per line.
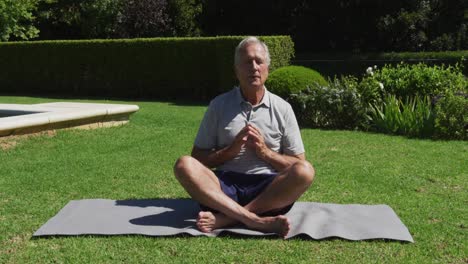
(176,213)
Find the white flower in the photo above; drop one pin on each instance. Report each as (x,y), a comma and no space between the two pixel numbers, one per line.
(375,67)
(381,86)
(369,71)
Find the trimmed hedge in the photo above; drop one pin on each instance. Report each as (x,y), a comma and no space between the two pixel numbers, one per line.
(289,80)
(331,64)
(160,68)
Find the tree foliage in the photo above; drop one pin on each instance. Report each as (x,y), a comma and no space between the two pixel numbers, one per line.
(71,19)
(346,25)
(425,25)
(185,17)
(333,25)
(144,18)
(16,20)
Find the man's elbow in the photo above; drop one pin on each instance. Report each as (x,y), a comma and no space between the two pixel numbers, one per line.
(300,157)
(201,155)
(196,152)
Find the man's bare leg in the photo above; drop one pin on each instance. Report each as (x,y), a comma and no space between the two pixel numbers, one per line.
(284,190)
(203,186)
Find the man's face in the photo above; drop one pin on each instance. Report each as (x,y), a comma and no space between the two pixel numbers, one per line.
(252,69)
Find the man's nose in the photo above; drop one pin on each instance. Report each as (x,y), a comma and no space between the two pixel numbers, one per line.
(254,65)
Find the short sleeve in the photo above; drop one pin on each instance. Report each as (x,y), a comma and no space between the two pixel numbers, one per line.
(206,136)
(292,141)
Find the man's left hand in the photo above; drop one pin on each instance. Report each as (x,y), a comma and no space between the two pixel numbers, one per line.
(257,142)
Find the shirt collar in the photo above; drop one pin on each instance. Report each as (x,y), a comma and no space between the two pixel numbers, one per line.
(265,100)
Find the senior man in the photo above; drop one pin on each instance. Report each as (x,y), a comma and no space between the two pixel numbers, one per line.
(248,162)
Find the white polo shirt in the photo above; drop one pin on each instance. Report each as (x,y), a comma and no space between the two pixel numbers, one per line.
(228,113)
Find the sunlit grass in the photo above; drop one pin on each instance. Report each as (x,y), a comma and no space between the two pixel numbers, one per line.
(424,181)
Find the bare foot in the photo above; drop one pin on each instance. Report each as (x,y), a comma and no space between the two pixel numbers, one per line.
(277,224)
(207,221)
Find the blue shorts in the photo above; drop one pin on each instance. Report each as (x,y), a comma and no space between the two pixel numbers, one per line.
(243,188)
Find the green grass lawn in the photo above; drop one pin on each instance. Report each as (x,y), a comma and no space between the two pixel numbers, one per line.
(424,181)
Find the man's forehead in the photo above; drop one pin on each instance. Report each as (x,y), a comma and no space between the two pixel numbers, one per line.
(253,49)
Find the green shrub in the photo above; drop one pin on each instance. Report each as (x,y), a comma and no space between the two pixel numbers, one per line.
(394,94)
(412,118)
(451,117)
(370,88)
(405,80)
(161,68)
(293,79)
(336,105)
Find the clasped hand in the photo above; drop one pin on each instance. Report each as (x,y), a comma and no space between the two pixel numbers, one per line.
(251,137)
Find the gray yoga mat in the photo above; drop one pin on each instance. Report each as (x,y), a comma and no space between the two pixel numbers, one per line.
(168,217)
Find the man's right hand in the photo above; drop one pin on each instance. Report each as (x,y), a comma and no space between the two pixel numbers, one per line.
(214,158)
(239,141)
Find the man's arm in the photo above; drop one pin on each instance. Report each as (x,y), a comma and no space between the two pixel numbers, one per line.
(277,160)
(212,158)
(281,161)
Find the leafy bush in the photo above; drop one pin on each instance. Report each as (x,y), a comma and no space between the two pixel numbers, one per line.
(293,79)
(451,117)
(336,105)
(398,100)
(402,100)
(370,89)
(406,81)
(413,118)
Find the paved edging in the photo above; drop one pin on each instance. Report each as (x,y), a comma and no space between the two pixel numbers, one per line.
(61,115)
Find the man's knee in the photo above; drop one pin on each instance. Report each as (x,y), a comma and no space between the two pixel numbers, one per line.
(183,166)
(303,171)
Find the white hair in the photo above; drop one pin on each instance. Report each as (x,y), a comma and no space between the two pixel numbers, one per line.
(248,41)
